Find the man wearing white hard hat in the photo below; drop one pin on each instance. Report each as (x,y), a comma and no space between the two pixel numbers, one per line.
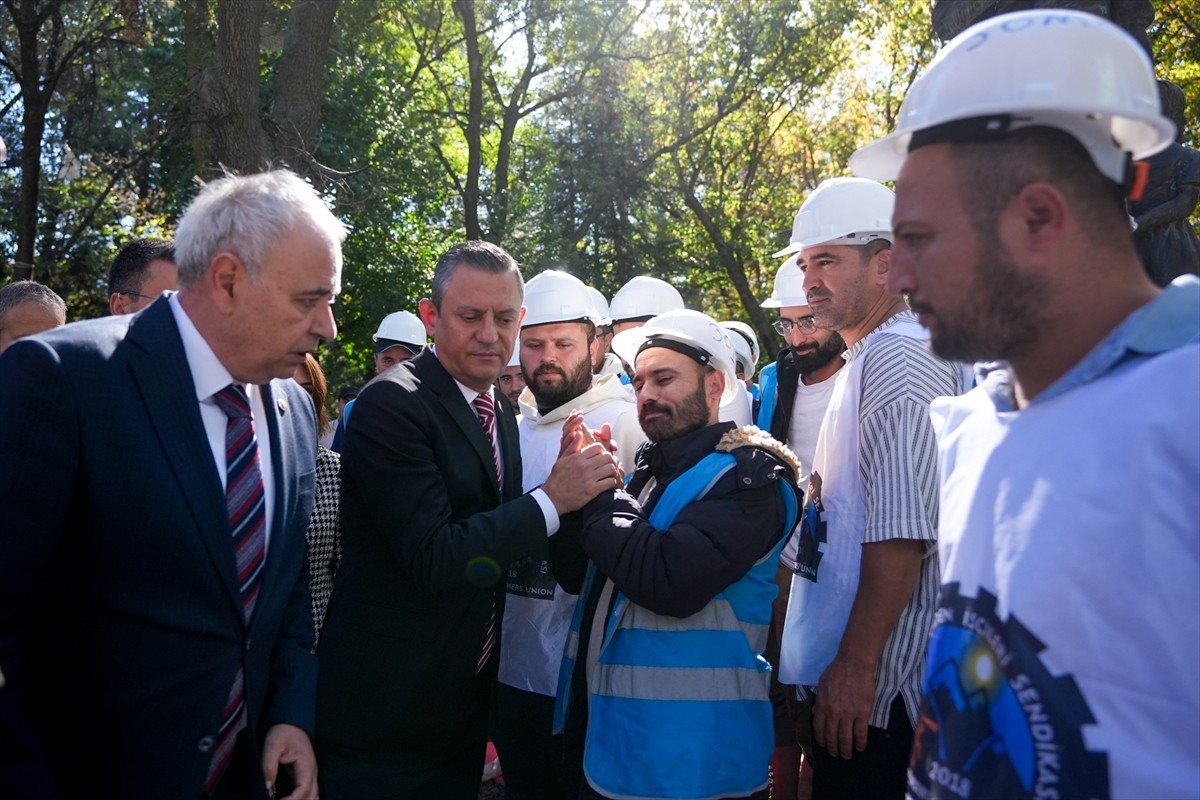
(794,392)
(1066,654)
(556,345)
(664,687)
(511,382)
(604,361)
(641,298)
(865,584)
(401,336)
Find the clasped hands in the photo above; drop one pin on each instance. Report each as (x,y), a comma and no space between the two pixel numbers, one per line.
(586,465)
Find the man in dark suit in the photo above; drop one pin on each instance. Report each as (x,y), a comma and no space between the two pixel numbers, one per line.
(154,628)
(432,514)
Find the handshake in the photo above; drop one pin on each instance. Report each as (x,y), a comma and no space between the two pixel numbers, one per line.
(587,465)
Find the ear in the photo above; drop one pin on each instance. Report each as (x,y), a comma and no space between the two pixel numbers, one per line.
(593,349)
(714,385)
(1041,216)
(880,263)
(118,304)
(225,274)
(429,314)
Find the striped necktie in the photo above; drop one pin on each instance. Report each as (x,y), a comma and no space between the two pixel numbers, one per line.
(246,507)
(485,408)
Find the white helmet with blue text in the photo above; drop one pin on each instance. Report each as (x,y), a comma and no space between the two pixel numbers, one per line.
(1056,68)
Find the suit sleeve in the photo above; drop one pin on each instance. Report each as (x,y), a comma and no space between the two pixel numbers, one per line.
(410,476)
(712,542)
(38,462)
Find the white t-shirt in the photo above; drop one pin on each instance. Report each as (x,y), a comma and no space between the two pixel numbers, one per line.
(1065,655)
(807,413)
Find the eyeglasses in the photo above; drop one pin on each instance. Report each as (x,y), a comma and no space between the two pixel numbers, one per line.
(783,326)
(135,294)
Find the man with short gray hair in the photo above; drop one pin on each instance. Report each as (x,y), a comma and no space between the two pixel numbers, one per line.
(433,513)
(155,621)
(26,308)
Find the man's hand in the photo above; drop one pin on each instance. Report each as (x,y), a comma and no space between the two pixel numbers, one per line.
(287,744)
(580,474)
(842,708)
(576,435)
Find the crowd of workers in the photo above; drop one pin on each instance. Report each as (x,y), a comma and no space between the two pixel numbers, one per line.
(945,545)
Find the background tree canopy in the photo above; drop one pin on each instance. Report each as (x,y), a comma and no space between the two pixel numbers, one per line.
(609,138)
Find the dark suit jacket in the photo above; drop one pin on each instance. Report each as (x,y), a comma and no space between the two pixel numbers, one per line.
(121,624)
(426,542)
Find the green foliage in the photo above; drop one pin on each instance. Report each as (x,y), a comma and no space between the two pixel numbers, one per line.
(609,138)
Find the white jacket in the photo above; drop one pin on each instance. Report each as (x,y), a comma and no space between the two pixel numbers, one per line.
(537,612)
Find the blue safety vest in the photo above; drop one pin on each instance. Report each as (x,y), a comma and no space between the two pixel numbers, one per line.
(767,384)
(662,685)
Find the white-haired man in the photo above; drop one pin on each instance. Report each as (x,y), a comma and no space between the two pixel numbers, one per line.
(155,624)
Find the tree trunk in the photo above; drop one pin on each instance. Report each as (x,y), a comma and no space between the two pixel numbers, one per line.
(198,46)
(233,85)
(466,9)
(296,108)
(36,102)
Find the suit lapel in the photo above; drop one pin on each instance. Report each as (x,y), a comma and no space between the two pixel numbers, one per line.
(434,375)
(283,458)
(510,448)
(165,384)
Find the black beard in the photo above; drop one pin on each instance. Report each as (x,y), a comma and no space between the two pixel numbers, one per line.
(1000,319)
(690,415)
(811,362)
(573,385)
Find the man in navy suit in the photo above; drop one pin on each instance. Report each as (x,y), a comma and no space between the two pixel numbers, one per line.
(145,654)
(432,515)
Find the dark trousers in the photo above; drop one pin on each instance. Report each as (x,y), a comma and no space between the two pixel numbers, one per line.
(876,773)
(455,773)
(531,757)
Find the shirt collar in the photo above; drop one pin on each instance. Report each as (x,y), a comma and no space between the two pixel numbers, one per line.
(851,353)
(1168,321)
(468,393)
(209,375)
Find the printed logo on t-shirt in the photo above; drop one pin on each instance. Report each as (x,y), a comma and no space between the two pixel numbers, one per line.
(530,577)
(994,722)
(811,534)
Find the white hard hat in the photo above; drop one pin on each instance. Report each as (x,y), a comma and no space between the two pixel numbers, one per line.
(707,341)
(554,296)
(1069,70)
(400,327)
(789,286)
(845,211)
(601,306)
(643,297)
(743,334)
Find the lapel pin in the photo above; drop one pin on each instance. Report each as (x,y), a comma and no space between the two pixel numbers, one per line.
(281,403)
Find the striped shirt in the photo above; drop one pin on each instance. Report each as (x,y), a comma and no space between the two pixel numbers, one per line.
(898,468)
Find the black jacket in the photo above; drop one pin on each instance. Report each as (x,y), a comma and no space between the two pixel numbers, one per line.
(787,374)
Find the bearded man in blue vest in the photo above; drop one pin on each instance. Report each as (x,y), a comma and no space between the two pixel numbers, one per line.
(663,691)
